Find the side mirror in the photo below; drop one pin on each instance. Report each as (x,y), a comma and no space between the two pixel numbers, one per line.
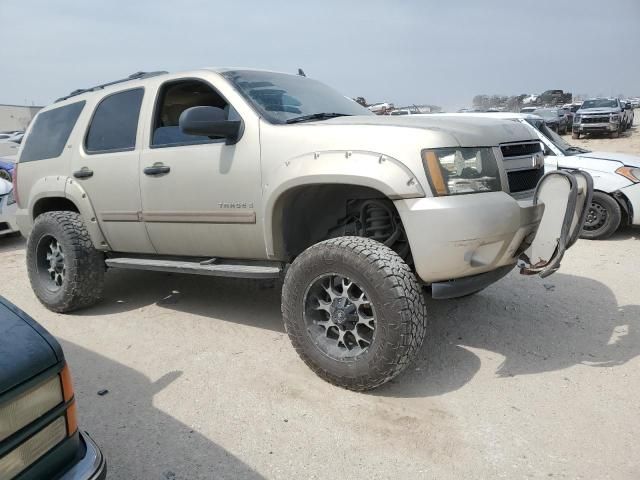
(211,122)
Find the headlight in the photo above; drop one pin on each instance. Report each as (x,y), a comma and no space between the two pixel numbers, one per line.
(11,199)
(631,173)
(28,452)
(5,175)
(614,118)
(30,406)
(576,119)
(458,170)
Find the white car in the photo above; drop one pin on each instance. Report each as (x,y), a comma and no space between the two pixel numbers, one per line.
(7,208)
(616,176)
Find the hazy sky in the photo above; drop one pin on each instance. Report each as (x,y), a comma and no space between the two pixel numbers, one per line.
(400,51)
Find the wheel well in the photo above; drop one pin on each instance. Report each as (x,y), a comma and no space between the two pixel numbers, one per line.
(625,206)
(310,214)
(50,204)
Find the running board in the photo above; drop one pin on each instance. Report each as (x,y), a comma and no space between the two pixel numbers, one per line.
(221,269)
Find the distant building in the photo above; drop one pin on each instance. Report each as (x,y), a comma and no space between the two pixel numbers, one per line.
(16,117)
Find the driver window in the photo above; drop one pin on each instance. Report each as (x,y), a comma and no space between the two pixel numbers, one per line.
(176,97)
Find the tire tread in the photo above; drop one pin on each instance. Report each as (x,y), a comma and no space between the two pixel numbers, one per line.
(394,275)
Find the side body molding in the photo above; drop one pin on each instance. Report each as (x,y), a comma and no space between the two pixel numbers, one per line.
(362,168)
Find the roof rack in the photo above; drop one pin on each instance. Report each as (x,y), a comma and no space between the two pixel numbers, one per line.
(133,76)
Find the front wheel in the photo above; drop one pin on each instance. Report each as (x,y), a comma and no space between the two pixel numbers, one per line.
(354,312)
(603,217)
(65,270)
(575,135)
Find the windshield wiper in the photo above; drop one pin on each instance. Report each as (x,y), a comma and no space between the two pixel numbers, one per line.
(316,116)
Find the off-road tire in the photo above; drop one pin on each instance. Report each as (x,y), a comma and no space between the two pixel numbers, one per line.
(394,293)
(575,135)
(612,222)
(85,266)
(615,134)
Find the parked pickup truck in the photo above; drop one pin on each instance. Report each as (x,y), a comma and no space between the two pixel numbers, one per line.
(39,434)
(627,114)
(599,115)
(256,174)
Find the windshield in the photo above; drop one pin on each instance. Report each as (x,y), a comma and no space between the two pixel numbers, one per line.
(546,112)
(279,97)
(556,139)
(600,103)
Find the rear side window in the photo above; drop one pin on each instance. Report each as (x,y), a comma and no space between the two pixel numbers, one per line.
(50,132)
(115,123)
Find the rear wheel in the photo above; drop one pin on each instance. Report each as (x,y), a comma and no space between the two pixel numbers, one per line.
(65,270)
(603,217)
(354,312)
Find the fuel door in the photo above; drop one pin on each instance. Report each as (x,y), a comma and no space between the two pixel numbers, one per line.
(558,192)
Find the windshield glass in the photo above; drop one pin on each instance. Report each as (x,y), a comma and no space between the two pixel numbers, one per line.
(279,97)
(546,112)
(556,139)
(600,103)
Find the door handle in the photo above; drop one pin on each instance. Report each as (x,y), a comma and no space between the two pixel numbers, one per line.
(84,172)
(157,170)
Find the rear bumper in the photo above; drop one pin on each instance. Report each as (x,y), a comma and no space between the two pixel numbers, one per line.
(465,235)
(92,466)
(23,221)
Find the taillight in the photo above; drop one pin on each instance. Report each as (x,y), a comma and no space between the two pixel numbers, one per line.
(15,184)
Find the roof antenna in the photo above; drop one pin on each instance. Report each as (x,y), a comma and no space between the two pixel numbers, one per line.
(301,72)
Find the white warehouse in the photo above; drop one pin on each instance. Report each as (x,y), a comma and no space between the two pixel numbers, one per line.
(16,117)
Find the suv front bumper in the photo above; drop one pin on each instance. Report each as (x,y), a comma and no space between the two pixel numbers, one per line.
(92,466)
(460,236)
(595,127)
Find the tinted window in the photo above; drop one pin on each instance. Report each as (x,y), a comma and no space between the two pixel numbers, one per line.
(600,103)
(115,122)
(176,97)
(50,132)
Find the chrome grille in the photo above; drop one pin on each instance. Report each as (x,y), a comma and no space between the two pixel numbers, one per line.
(524,164)
(598,119)
(523,180)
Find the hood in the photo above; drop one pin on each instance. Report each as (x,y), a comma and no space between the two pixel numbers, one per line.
(467,131)
(26,349)
(5,187)
(597,110)
(625,158)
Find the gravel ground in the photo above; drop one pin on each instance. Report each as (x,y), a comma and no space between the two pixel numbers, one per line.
(531,378)
(629,141)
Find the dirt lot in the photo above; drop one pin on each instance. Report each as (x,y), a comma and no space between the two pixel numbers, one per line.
(531,378)
(629,141)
